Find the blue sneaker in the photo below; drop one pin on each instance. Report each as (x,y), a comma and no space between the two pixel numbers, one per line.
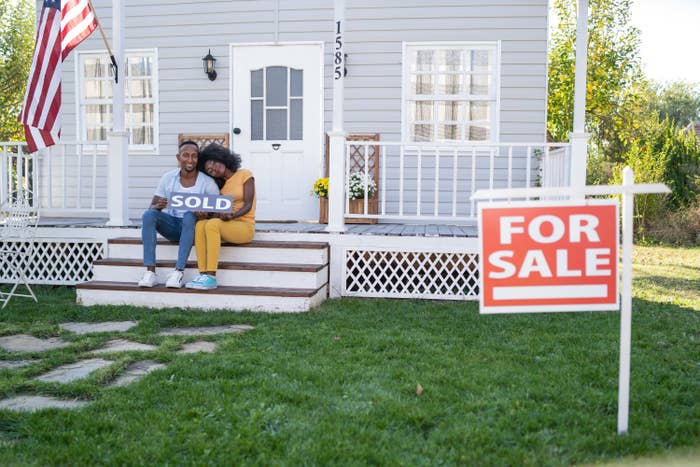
(202,282)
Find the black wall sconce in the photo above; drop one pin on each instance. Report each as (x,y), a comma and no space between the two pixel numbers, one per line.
(209,63)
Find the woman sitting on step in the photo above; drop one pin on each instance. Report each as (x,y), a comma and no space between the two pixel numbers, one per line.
(238,226)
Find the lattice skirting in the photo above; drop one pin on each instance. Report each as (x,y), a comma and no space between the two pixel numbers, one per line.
(66,262)
(411,274)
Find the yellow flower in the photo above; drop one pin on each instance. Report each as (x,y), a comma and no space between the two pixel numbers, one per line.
(321,188)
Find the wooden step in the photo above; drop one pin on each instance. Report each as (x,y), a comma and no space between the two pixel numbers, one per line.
(234,298)
(257,251)
(229,273)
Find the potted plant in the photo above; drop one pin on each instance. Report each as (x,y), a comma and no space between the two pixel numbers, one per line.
(320,190)
(356,192)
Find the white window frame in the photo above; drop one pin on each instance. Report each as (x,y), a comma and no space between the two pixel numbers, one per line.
(80,101)
(494,95)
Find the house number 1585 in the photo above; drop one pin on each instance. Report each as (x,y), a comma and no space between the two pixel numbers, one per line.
(338,55)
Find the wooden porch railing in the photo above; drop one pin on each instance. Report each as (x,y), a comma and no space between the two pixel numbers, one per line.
(435,182)
(69,179)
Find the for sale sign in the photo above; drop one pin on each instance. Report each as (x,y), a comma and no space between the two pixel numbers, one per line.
(541,256)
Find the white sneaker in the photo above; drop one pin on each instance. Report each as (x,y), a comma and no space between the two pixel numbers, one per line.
(149,279)
(174,280)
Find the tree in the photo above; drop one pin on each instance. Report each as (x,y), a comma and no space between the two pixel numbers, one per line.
(679,102)
(16,46)
(613,68)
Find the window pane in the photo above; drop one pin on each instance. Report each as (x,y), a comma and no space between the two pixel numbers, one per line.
(297,83)
(141,135)
(449,84)
(140,66)
(421,110)
(449,132)
(276,124)
(94,68)
(422,60)
(422,84)
(276,87)
(450,60)
(96,134)
(450,110)
(96,114)
(296,119)
(140,88)
(480,61)
(256,83)
(422,132)
(478,133)
(256,120)
(141,113)
(478,85)
(479,111)
(97,89)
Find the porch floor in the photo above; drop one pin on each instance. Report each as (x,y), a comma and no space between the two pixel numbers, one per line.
(383,229)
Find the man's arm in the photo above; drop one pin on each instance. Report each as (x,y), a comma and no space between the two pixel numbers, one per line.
(158,202)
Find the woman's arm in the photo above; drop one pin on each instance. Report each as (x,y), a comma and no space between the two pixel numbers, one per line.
(248,196)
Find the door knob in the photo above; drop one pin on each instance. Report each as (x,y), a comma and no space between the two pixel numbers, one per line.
(236,131)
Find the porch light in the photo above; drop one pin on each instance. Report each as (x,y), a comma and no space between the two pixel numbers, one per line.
(209,64)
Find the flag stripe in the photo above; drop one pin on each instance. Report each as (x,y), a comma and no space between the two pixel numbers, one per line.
(61,29)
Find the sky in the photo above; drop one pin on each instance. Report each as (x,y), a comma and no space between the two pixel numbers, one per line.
(670,50)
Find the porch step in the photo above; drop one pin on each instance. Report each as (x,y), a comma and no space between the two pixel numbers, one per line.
(229,273)
(275,276)
(257,251)
(235,298)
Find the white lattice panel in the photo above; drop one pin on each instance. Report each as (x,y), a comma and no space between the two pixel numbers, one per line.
(55,262)
(411,274)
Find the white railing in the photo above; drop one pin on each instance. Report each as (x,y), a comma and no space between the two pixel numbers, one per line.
(435,182)
(69,179)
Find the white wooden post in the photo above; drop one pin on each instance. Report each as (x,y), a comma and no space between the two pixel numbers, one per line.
(579,137)
(118,161)
(336,154)
(623,399)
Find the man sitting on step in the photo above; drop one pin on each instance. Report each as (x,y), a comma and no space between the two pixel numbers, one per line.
(175,225)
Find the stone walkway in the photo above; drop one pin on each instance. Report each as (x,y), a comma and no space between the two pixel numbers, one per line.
(23,343)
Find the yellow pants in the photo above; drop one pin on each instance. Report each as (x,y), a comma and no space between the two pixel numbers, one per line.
(208,235)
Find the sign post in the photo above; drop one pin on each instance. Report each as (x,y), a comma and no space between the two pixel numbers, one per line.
(540,256)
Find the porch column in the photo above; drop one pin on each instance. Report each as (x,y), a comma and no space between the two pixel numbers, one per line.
(118,157)
(336,138)
(579,138)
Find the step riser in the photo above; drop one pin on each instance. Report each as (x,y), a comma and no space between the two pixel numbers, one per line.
(241,278)
(230,253)
(200,301)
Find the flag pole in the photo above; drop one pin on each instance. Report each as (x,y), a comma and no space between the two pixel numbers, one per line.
(115,67)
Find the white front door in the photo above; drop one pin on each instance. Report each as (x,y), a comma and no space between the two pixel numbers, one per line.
(277,104)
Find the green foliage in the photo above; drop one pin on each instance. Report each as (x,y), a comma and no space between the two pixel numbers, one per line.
(16,47)
(337,386)
(613,67)
(679,102)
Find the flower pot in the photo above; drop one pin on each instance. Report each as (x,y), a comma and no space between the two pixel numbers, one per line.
(356,206)
(323,211)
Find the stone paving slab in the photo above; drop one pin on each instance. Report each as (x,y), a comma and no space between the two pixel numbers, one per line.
(73,371)
(27,343)
(34,403)
(123,345)
(92,328)
(199,346)
(206,330)
(136,371)
(11,364)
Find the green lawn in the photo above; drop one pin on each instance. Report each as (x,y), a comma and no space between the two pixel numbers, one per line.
(338,385)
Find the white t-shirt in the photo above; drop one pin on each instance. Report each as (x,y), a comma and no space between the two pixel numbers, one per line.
(170,182)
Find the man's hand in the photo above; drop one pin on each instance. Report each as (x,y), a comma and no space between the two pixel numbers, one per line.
(158,203)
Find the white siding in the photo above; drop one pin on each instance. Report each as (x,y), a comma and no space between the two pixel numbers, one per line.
(183,31)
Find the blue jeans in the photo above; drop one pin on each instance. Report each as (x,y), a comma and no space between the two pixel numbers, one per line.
(170,227)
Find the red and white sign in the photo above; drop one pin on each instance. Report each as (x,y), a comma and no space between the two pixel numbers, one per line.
(542,256)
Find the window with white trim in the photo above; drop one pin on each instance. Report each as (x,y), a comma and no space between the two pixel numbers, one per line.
(140,99)
(451,92)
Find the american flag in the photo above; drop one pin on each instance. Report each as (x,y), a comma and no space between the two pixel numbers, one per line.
(61,29)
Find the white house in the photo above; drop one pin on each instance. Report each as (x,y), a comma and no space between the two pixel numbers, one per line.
(431,101)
